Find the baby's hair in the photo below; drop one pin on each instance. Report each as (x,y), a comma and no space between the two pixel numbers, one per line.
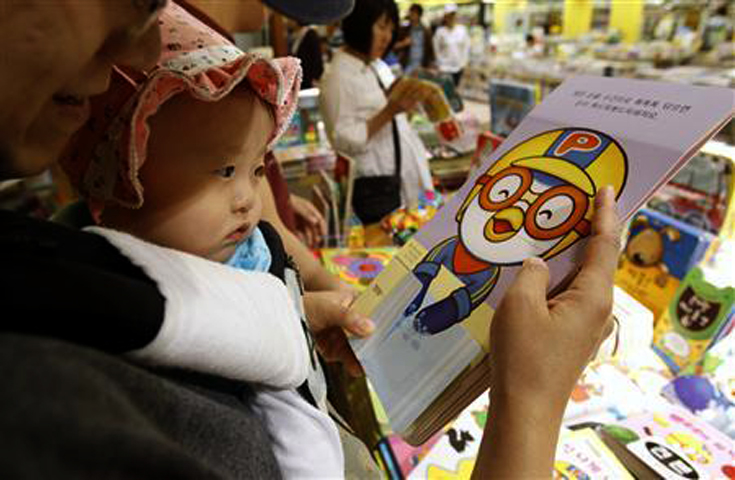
(244,88)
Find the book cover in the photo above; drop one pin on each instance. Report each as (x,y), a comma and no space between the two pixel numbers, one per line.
(698,316)
(675,444)
(658,252)
(700,194)
(533,196)
(581,454)
(357,267)
(510,102)
(453,455)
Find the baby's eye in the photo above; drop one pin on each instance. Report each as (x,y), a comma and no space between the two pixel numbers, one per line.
(226,172)
(260,171)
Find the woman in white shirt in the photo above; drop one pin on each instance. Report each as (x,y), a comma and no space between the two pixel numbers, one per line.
(360,119)
(452,45)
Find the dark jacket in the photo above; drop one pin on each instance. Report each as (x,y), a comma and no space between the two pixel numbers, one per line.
(70,407)
(428,57)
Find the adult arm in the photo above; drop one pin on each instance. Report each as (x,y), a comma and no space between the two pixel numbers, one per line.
(315,276)
(350,131)
(326,300)
(311,225)
(540,348)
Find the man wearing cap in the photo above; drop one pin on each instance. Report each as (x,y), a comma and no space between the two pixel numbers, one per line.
(452,45)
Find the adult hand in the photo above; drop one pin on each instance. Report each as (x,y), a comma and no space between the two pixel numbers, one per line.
(331,320)
(404,95)
(400,44)
(539,348)
(311,227)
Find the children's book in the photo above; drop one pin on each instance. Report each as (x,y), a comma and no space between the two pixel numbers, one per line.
(673,444)
(533,196)
(510,102)
(357,267)
(582,455)
(699,315)
(453,455)
(701,194)
(659,251)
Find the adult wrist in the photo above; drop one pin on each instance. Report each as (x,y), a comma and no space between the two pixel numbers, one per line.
(529,404)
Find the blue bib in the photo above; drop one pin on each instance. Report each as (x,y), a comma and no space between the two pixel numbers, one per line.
(252,254)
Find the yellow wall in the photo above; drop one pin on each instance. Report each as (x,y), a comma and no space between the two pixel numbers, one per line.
(501,10)
(626,16)
(577,17)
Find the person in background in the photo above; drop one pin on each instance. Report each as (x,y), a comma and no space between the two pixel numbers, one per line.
(415,46)
(364,122)
(73,405)
(307,47)
(452,45)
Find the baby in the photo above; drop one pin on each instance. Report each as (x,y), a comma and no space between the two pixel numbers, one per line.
(176,158)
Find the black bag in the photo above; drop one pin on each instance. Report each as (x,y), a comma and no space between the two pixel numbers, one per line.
(375,197)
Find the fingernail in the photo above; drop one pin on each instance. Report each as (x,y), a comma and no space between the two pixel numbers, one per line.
(533,262)
(607,195)
(365,326)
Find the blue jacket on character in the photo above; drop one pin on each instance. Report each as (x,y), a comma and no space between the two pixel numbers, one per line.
(479,278)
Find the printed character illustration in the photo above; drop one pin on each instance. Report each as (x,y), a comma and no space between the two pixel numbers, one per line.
(697,317)
(568,471)
(536,200)
(694,448)
(700,308)
(646,246)
(696,313)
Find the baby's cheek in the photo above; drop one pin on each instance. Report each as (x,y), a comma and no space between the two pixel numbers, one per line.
(257,211)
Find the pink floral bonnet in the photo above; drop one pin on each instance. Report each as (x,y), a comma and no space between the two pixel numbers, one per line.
(104,158)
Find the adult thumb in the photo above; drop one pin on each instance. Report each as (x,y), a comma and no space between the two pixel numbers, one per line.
(530,284)
(332,309)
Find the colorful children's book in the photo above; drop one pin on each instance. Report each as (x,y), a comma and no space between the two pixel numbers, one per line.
(582,455)
(659,251)
(453,455)
(671,443)
(533,196)
(357,267)
(510,102)
(701,193)
(699,315)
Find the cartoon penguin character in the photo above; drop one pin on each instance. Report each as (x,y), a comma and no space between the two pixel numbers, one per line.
(537,200)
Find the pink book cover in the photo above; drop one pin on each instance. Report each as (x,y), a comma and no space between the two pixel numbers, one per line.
(533,196)
(677,445)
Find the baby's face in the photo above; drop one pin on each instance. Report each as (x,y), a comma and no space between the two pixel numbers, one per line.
(201,178)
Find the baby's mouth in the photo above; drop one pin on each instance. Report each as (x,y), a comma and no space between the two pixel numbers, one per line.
(239,234)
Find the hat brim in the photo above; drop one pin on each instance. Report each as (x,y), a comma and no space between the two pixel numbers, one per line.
(308,11)
(562,170)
